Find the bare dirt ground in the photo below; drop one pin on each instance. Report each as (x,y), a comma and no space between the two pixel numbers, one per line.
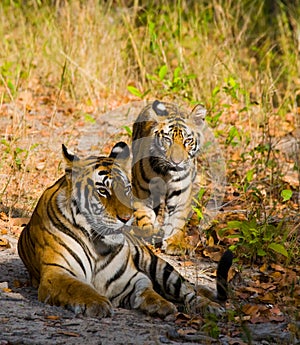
(23,320)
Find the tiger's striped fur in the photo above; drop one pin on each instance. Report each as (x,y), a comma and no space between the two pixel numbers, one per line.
(166,142)
(80,254)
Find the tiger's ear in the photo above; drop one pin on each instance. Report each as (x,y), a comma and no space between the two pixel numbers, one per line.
(121,153)
(159,108)
(198,114)
(69,157)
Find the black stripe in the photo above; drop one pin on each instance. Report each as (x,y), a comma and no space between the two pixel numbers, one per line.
(78,190)
(112,254)
(125,302)
(107,163)
(26,248)
(181,178)
(90,182)
(152,272)
(136,181)
(168,269)
(171,209)
(177,287)
(61,227)
(177,192)
(142,217)
(60,266)
(118,274)
(142,171)
(103,172)
(86,198)
(71,252)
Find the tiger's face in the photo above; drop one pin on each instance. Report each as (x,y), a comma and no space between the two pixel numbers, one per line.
(175,143)
(100,195)
(176,135)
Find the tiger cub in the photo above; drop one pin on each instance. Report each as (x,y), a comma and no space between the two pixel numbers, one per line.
(80,254)
(165,143)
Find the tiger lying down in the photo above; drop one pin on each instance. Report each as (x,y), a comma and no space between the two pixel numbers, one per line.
(81,255)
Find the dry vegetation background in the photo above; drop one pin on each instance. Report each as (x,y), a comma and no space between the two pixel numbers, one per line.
(65,63)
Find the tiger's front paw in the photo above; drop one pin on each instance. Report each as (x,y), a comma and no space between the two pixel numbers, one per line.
(98,308)
(152,303)
(78,297)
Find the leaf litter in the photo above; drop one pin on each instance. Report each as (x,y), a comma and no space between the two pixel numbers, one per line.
(261,293)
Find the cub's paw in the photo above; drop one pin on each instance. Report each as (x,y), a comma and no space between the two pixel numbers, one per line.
(155,305)
(177,245)
(148,232)
(204,305)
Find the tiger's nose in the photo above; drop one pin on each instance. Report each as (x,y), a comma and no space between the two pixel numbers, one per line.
(177,153)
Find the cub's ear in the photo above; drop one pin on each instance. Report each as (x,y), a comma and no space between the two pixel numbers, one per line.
(120,152)
(198,114)
(159,108)
(69,157)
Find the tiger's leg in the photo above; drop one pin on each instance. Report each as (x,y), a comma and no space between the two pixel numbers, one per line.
(146,299)
(146,209)
(169,283)
(144,219)
(57,287)
(177,210)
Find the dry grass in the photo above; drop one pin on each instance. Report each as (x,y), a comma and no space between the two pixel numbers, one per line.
(62,60)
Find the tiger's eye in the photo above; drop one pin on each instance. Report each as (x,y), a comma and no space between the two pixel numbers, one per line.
(103,191)
(188,141)
(167,140)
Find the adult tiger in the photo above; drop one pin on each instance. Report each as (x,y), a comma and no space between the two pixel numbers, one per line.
(165,143)
(81,255)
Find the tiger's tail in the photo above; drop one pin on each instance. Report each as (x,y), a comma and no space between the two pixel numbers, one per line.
(222,275)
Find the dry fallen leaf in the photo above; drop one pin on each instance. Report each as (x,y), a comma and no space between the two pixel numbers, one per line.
(4,243)
(187,331)
(186,263)
(6,289)
(70,334)
(4,217)
(52,317)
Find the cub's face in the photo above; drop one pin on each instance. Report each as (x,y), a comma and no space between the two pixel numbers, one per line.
(177,137)
(100,191)
(175,143)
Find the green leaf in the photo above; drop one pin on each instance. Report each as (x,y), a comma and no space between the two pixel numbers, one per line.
(215,91)
(198,212)
(128,130)
(5,142)
(235,236)
(176,73)
(286,194)
(278,248)
(19,150)
(234,224)
(249,175)
(11,87)
(232,82)
(162,72)
(261,252)
(201,193)
(134,91)
(89,118)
